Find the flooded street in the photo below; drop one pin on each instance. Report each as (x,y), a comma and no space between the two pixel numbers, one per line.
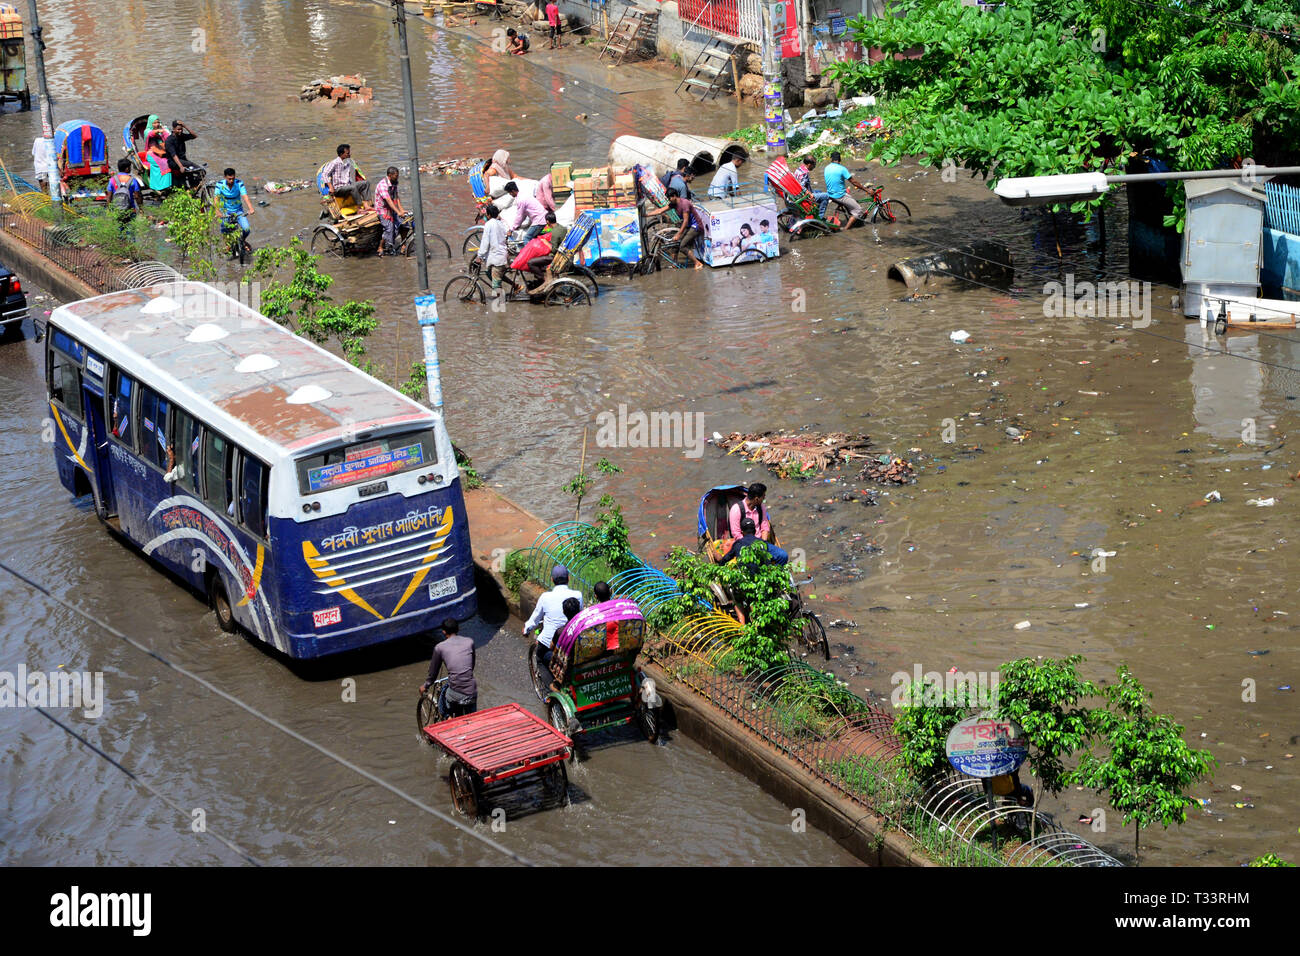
(1124,432)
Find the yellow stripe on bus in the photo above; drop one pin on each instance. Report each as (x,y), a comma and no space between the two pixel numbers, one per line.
(320,567)
(257,576)
(59,420)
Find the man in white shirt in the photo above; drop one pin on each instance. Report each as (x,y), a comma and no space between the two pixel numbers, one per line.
(727,179)
(549,616)
(44,162)
(492,245)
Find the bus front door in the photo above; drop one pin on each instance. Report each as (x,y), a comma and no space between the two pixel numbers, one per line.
(105,500)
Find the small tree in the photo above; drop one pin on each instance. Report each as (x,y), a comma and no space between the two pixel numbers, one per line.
(581,483)
(1041,696)
(923,727)
(303,303)
(190,226)
(1149,765)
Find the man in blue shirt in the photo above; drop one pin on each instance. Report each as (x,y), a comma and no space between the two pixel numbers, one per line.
(232,198)
(838,179)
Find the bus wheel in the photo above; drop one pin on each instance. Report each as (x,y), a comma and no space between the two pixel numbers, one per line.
(221,604)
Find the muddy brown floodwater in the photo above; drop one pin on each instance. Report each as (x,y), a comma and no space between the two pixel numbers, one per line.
(1123,433)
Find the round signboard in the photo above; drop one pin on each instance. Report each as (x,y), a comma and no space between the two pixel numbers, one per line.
(985,746)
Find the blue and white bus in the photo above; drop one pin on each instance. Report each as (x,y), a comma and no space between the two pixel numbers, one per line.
(314,506)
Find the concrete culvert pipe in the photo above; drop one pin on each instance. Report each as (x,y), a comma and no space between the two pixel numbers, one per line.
(706,153)
(985,262)
(629,150)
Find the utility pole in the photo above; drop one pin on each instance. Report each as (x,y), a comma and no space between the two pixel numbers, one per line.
(47,112)
(426,304)
(773,105)
(421,264)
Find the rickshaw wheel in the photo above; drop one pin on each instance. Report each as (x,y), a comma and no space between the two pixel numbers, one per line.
(812,229)
(647,718)
(327,241)
(535,675)
(590,277)
(426,713)
(559,719)
(555,780)
(567,293)
(813,635)
(748,255)
(464,790)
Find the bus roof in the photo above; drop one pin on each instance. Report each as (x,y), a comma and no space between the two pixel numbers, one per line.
(247,376)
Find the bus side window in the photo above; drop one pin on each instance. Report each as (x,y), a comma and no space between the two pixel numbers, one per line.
(217,461)
(64,381)
(153,427)
(122,422)
(187,440)
(252,494)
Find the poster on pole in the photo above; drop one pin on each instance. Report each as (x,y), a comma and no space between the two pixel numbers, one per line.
(785,28)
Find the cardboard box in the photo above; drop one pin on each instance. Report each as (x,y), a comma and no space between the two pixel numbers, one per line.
(561,176)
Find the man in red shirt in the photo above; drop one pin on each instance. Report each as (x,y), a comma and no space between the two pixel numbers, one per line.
(553,18)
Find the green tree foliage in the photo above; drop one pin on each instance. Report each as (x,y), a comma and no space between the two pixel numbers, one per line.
(1149,766)
(191,225)
(1038,87)
(302,301)
(922,727)
(756,582)
(1044,697)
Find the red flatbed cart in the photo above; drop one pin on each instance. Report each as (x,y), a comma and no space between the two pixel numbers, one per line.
(500,748)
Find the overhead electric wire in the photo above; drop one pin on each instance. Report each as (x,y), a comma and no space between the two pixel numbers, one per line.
(271,721)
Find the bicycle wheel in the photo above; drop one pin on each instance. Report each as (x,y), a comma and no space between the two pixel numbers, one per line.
(426,712)
(891,210)
(567,292)
(433,242)
(473,238)
(812,636)
(463,289)
(748,255)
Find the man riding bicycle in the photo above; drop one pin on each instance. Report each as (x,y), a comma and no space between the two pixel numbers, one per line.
(457,653)
(231,198)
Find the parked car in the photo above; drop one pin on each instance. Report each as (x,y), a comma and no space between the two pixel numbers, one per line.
(13,304)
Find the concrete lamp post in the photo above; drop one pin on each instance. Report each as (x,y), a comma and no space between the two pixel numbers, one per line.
(1076,187)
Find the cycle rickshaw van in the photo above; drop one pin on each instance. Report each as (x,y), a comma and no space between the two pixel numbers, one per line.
(594,680)
(715,540)
(81,151)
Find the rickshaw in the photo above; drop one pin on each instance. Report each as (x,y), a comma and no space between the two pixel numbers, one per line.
(135,143)
(570,284)
(800,220)
(81,151)
(715,540)
(593,680)
(347,229)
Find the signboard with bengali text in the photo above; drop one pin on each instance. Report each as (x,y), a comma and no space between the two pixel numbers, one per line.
(985,746)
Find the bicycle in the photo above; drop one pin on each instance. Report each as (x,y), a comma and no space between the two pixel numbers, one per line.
(432,705)
(662,249)
(237,242)
(886,210)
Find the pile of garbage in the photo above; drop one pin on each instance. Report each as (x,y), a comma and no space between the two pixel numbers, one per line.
(272,186)
(889,470)
(450,166)
(338,89)
(796,455)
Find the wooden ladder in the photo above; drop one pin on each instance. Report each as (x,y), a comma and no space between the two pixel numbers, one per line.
(714,63)
(626,37)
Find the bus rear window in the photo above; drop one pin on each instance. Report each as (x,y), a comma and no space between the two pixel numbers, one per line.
(365,461)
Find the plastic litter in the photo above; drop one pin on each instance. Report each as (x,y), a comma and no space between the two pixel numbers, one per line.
(1214,496)
(1262,502)
(1023,625)
(960,336)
